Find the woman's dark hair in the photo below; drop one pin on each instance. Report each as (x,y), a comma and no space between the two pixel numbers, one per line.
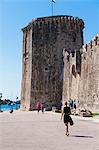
(66,103)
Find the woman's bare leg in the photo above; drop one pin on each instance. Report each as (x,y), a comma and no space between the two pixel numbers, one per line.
(67,133)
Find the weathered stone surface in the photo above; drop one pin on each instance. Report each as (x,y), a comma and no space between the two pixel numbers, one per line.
(82,82)
(54,44)
(43,42)
(89,82)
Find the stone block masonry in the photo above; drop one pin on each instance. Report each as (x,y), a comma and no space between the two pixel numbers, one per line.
(42,66)
(82,82)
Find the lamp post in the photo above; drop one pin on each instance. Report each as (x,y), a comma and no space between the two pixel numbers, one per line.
(16,103)
(0,96)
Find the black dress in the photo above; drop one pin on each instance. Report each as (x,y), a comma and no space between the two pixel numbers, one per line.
(66,114)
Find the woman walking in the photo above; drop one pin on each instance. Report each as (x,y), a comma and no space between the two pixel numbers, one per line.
(66,112)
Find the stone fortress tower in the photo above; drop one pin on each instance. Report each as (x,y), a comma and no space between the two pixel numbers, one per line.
(44,40)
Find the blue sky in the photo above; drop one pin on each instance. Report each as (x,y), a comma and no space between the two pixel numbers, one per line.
(15,14)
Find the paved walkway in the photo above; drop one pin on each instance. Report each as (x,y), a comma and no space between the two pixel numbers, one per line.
(33,131)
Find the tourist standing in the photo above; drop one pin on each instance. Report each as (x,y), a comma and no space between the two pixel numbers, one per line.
(42,107)
(38,106)
(74,104)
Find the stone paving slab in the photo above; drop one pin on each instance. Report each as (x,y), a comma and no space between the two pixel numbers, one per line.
(33,131)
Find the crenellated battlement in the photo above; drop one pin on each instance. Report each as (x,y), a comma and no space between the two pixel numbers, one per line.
(68,57)
(68,20)
(84,51)
(44,40)
(94,42)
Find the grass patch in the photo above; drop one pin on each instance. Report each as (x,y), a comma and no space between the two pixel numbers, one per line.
(95,114)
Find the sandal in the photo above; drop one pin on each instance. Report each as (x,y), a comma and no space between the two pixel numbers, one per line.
(67,133)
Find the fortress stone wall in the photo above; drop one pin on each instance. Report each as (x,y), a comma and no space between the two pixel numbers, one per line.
(42,64)
(81,75)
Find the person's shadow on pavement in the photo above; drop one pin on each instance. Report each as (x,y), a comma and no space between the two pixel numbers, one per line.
(82,136)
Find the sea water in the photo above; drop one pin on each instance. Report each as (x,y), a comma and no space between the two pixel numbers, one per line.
(9,107)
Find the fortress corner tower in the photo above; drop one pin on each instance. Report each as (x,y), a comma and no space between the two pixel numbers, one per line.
(42,63)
